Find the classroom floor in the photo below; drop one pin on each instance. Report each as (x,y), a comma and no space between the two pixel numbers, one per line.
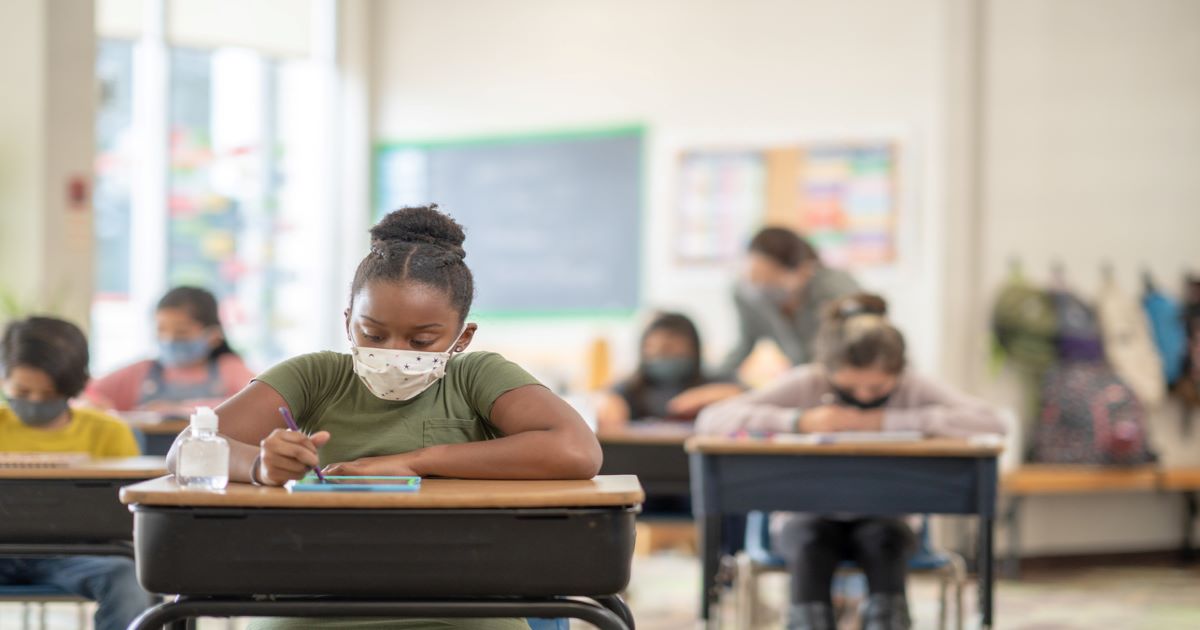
(663,597)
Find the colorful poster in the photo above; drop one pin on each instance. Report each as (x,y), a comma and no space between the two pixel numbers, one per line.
(721,197)
(847,202)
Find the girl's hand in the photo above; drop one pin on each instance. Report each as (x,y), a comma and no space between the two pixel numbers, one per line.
(287,455)
(832,418)
(386,465)
(689,403)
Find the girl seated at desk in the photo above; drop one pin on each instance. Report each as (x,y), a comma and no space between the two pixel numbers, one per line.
(195,365)
(860,383)
(44,362)
(669,382)
(406,399)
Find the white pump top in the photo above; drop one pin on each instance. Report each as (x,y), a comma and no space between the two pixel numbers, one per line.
(205,419)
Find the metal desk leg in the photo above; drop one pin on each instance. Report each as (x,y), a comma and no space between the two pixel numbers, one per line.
(1012,563)
(710,544)
(185,608)
(618,606)
(1191,505)
(986,573)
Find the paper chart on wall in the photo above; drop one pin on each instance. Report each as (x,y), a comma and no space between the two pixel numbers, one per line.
(841,195)
(846,202)
(721,196)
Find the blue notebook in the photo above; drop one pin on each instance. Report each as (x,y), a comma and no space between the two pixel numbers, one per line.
(340,483)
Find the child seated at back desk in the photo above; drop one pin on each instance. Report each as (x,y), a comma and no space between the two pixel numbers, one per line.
(859,384)
(45,364)
(406,400)
(195,364)
(669,382)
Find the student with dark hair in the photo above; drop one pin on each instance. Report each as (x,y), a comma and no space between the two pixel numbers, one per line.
(195,365)
(860,382)
(44,362)
(669,382)
(782,296)
(407,399)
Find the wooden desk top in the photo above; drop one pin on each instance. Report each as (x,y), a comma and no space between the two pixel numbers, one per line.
(934,447)
(602,491)
(117,468)
(1180,479)
(1072,479)
(152,423)
(650,433)
(166,427)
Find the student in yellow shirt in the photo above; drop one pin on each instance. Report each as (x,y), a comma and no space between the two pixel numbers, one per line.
(44,362)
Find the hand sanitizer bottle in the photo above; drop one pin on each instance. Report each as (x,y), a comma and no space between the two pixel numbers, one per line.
(203,455)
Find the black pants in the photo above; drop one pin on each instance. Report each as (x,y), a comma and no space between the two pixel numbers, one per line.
(813,547)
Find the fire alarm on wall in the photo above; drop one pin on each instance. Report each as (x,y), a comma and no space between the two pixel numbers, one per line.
(78,197)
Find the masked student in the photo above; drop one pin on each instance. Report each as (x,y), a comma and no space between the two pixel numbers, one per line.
(195,365)
(407,399)
(44,362)
(860,382)
(669,382)
(782,296)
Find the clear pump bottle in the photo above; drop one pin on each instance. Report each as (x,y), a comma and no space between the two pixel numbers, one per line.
(203,455)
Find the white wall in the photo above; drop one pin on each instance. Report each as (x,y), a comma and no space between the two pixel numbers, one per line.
(697,73)
(46,141)
(1092,149)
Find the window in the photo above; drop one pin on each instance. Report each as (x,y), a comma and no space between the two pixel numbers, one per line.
(241,194)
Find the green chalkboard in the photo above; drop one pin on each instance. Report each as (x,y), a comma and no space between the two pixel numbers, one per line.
(553,220)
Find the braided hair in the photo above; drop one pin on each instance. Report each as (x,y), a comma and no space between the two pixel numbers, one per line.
(419,244)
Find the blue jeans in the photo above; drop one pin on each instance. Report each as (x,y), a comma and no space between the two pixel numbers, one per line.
(109,581)
(547,624)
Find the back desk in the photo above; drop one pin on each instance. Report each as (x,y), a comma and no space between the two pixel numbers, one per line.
(72,509)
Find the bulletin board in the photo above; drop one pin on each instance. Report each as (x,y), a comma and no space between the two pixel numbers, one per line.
(841,195)
(553,220)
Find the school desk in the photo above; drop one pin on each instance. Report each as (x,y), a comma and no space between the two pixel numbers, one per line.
(653,451)
(936,476)
(455,548)
(160,433)
(71,509)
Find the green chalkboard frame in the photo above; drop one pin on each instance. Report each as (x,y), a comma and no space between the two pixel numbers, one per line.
(382,147)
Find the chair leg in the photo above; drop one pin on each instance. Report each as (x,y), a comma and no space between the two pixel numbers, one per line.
(82,610)
(745,589)
(943,580)
(25,620)
(960,580)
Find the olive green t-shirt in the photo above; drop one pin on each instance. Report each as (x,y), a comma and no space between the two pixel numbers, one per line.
(325,394)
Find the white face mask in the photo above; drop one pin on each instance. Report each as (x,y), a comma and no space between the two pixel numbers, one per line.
(401,374)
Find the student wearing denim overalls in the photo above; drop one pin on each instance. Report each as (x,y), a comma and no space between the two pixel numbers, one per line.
(195,365)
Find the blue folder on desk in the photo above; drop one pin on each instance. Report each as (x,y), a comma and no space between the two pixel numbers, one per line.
(343,483)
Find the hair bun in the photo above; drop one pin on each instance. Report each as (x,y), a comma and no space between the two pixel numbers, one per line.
(421,224)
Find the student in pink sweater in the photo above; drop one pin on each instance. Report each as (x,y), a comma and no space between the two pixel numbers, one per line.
(859,383)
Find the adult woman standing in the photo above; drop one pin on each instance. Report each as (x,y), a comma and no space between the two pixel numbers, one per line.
(783,296)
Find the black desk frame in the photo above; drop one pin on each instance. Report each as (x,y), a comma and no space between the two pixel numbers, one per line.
(606,613)
(517,539)
(730,484)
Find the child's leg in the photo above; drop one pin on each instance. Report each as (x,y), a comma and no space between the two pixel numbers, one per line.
(14,571)
(813,547)
(109,581)
(882,547)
